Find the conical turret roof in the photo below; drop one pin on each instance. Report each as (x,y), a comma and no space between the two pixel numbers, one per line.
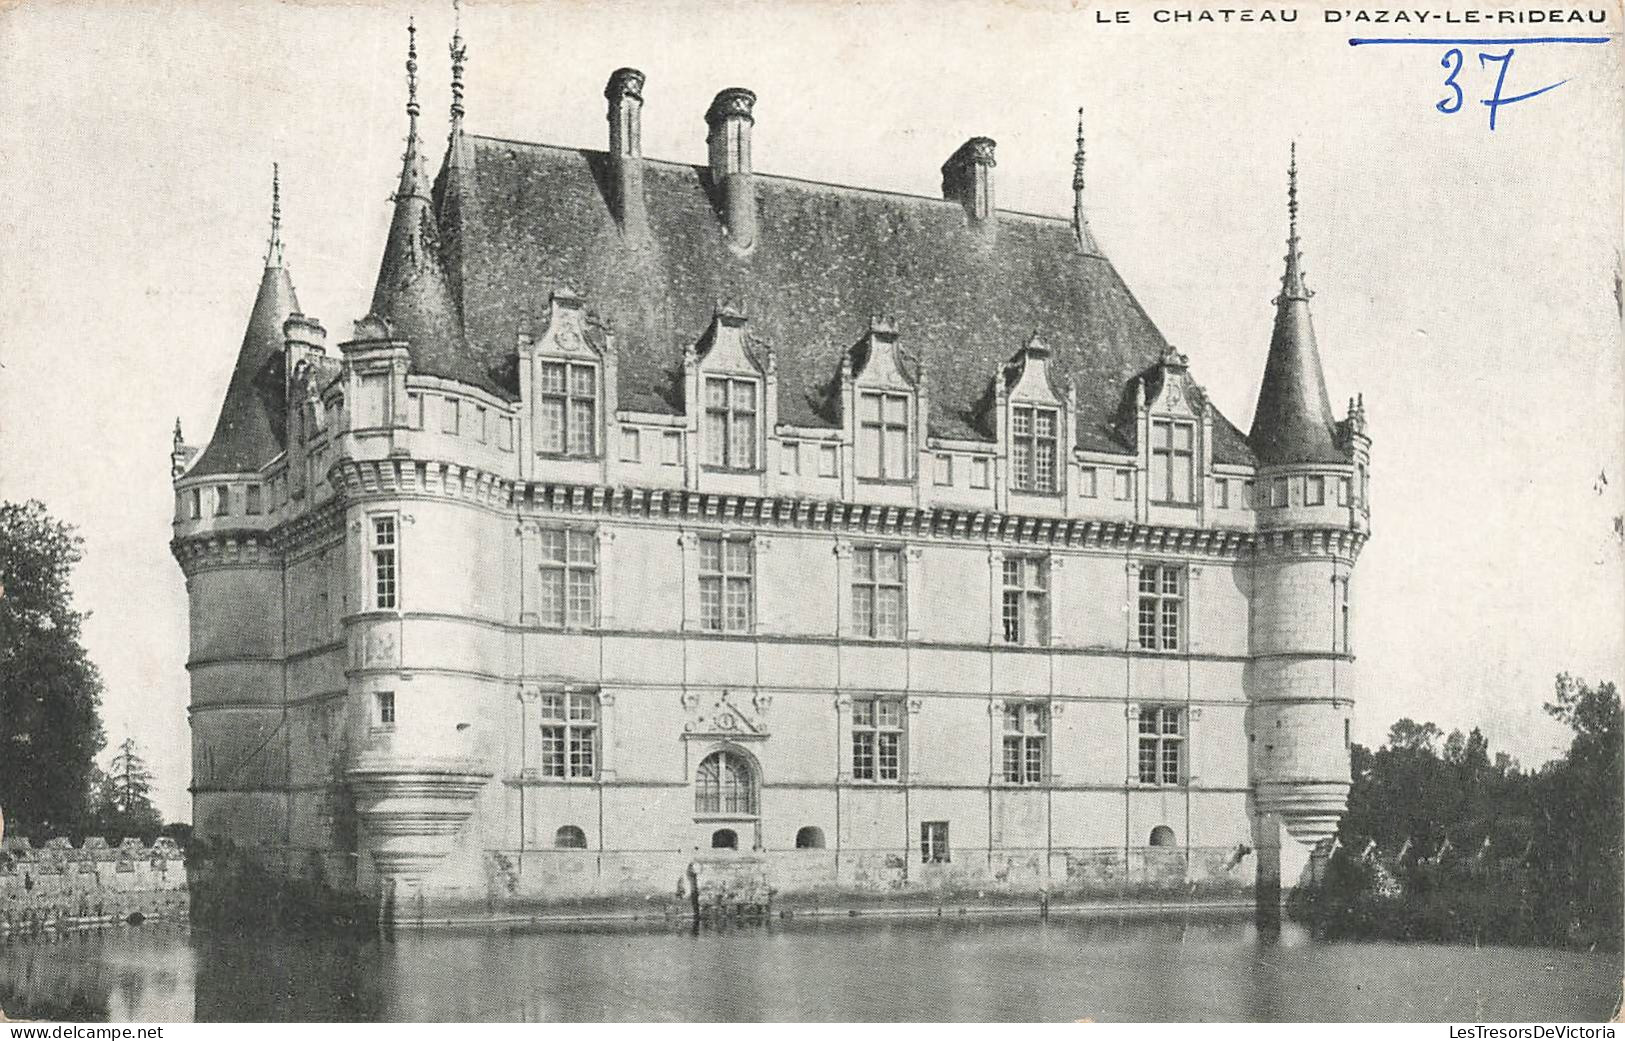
(414,290)
(249,432)
(1293,421)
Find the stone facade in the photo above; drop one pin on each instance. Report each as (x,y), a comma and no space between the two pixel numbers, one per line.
(610,623)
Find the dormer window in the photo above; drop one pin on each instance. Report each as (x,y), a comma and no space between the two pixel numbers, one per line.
(1033,448)
(1173,467)
(883,448)
(730,423)
(569,409)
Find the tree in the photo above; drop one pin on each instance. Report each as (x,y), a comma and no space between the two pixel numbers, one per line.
(125,806)
(50,694)
(1409,735)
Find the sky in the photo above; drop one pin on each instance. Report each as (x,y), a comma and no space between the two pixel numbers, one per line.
(1465,279)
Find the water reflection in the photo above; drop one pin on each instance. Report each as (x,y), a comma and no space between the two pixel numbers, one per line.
(1181,967)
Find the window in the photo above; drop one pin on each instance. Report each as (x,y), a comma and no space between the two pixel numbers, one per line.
(1278,492)
(933,842)
(877,592)
(790,458)
(569,409)
(1342,491)
(724,838)
(671,448)
(1162,744)
(1343,616)
(1221,493)
(384,708)
(724,784)
(383,563)
(1026,733)
(1162,606)
(631,446)
(978,473)
(1347,738)
(810,838)
(1033,449)
(1123,485)
(1172,466)
(730,423)
(877,739)
(197,504)
(883,436)
(569,735)
(1314,491)
(1163,836)
(827,456)
(569,578)
(451,416)
(505,433)
(727,596)
(1247,495)
(570,837)
(253,499)
(1026,600)
(1087,486)
(480,430)
(1364,486)
(414,409)
(944,469)
(222,501)
(374,403)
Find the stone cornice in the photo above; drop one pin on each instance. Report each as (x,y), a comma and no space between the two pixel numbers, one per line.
(224,549)
(393,477)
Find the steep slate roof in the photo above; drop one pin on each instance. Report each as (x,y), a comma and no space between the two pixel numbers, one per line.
(532,218)
(1293,421)
(249,432)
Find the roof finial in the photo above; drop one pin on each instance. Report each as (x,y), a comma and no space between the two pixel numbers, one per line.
(273,250)
(1292,197)
(458,52)
(179,440)
(412,72)
(1080,224)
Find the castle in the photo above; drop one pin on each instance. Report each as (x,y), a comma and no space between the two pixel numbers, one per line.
(667,526)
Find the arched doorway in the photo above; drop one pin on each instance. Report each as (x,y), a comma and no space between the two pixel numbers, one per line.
(1162,835)
(724,838)
(570,837)
(810,838)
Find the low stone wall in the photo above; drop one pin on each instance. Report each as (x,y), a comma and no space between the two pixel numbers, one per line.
(59,886)
(709,883)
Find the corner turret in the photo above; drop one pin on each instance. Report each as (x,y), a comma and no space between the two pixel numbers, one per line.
(1293,420)
(414,292)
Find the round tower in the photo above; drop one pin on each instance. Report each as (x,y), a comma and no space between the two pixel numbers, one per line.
(1312,519)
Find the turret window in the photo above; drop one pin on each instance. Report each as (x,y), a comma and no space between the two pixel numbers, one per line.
(222,501)
(1342,491)
(569,409)
(451,416)
(730,423)
(883,442)
(1173,461)
(383,563)
(253,499)
(1162,607)
(1314,491)
(1033,448)
(197,504)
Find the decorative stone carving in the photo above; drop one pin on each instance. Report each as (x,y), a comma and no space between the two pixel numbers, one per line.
(727,714)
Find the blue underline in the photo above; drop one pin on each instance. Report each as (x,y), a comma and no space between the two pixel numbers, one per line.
(1478,41)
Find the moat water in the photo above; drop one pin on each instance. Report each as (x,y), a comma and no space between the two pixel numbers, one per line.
(1178,967)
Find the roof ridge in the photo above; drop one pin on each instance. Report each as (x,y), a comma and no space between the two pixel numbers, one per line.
(789,178)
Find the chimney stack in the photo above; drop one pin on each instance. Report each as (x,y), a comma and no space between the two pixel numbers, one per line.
(624,93)
(967,177)
(729,119)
